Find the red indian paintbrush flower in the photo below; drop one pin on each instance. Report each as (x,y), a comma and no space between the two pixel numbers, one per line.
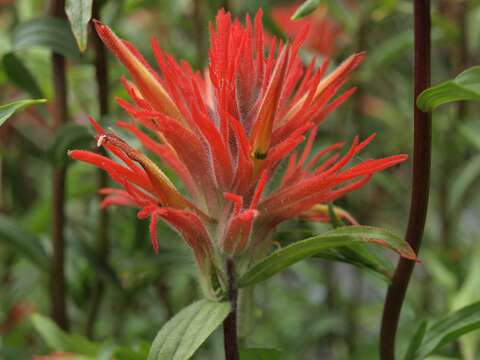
(225,133)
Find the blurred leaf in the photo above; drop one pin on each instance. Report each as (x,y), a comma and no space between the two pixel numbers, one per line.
(98,264)
(468,293)
(383,8)
(46,32)
(182,335)
(466,86)
(448,329)
(464,180)
(58,340)
(439,271)
(388,51)
(25,243)
(79,13)
(68,137)
(344,236)
(471,134)
(124,353)
(8,110)
(260,354)
(305,9)
(416,340)
(19,74)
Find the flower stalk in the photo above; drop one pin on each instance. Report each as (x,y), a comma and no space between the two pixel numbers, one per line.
(60,117)
(103,241)
(420,183)
(230,337)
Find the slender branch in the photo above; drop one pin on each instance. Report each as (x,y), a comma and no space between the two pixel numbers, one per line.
(230,337)
(199,32)
(420,183)
(60,114)
(226,5)
(101,76)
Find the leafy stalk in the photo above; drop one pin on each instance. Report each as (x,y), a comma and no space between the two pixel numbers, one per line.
(420,183)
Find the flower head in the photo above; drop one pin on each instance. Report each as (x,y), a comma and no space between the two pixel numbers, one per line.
(224,133)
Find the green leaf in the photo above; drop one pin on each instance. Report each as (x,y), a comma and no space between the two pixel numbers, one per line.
(356,254)
(182,335)
(466,294)
(260,354)
(79,13)
(58,340)
(305,9)
(360,256)
(466,177)
(27,244)
(416,340)
(466,86)
(8,110)
(19,74)
(343,236)
(46,32)
(446,330)
(68,137)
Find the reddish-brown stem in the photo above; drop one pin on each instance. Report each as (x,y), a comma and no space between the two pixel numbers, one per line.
(230,337)
(60,116)
(101,76)
(198,29)
(420,183)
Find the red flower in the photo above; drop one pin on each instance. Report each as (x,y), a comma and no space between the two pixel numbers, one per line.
(324,32)
(225,134)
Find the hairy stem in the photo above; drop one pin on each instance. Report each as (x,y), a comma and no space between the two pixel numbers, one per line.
(101,76)
(60,115)
(230,337)
(420,183)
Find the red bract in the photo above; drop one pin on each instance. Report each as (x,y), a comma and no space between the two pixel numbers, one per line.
(224,134)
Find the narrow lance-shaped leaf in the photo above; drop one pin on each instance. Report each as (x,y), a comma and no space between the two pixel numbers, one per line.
(45,32)
(25,243)
(58,340)
(19,74)
(79,13)
(282,259)
(69,136)
(467,177)
(8,110)
(465,86)
(305,9)
(416,340)
(356,254)
(444,331)
(182,335)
